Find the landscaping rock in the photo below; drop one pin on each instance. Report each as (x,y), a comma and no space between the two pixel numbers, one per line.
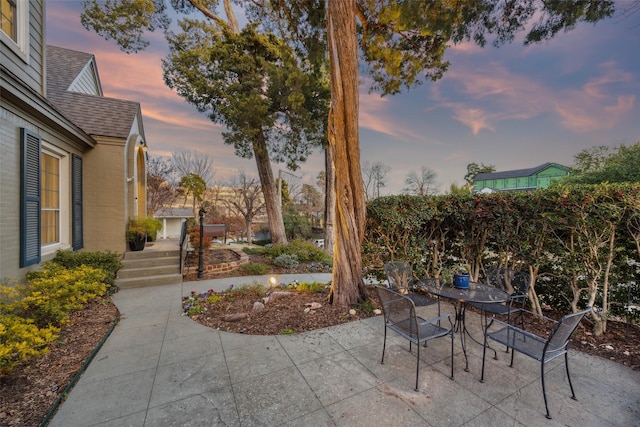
(313,305)
(236,317)
(278,294)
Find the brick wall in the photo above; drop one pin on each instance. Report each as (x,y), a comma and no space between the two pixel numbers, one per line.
(215,270)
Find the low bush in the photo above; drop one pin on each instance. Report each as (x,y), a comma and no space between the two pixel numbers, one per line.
(254,269)
(286,261)
(315,287)
(261,242)
(21,339)
(52,293)
(305,251)
(253,250)
(108,261)
(256,289)
(31,313)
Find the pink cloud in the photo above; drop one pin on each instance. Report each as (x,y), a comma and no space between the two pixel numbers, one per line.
(508,96)
(594,106)
(474,118)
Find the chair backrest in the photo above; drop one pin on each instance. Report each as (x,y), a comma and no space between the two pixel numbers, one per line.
(398,310)
(399,275)
(511,281)
(559,336)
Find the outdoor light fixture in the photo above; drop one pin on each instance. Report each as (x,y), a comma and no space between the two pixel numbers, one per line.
(273,281)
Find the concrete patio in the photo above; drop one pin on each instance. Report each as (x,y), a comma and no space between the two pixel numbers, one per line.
(159,368)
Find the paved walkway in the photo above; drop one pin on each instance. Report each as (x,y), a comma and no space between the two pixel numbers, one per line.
(159,368)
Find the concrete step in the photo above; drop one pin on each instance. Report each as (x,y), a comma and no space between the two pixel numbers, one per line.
(138,282)
(151,262)
(146,254)
(148,270)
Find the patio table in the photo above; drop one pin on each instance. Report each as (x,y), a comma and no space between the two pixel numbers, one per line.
(476,292)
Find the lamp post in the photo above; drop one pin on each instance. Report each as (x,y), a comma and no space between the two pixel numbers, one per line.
(201,213)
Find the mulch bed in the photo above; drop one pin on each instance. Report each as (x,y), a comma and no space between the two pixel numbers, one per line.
(32,389)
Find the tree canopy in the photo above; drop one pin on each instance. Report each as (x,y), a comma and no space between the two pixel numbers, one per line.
(604,164)
(400,43)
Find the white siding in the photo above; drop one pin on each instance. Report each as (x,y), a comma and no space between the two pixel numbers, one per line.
(87,81)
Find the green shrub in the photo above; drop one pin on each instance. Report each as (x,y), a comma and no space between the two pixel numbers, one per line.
(109,261)
(253,251)
(286,261)
(255,289)
(254,269)
(152,225)
(316,287)
(32,312)
(305,251)
(261,242)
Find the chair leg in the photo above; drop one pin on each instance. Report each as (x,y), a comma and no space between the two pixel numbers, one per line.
(566,364)
(485,316)
(384,344)
(417,364)
(484,354)
(544,391)
(451,354)
(512,354)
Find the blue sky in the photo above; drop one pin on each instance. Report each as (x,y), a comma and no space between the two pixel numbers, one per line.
(514,107)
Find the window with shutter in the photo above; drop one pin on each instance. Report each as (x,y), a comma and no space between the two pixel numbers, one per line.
(50,199)
(76,200)
(30,199)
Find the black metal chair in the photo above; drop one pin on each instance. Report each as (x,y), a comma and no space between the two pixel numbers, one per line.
(515,283)
(539,348)
(400,316)
(400,278)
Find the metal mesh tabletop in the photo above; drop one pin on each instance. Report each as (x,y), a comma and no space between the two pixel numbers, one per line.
(477,292)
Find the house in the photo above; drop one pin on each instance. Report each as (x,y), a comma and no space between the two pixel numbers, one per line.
(519,180)
(73,162)
(172,219)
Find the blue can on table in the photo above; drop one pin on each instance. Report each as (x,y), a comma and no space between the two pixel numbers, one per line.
(461,280)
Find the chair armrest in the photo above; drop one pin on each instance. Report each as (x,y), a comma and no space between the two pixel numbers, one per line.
(516,329)
(435,319)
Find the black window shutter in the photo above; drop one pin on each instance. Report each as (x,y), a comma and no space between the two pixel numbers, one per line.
(30,199)
(76,201)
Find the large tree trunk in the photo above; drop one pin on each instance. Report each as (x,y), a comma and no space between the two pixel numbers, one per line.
(267,183)
(329,201)
(347,286)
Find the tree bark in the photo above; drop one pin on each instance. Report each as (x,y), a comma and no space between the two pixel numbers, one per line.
(347,286)
(272,204)
(329,202)
(248,220)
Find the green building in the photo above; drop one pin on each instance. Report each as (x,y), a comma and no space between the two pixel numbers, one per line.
(519,180)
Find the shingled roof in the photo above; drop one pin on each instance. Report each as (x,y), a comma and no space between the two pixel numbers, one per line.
(514,173)
(94,114)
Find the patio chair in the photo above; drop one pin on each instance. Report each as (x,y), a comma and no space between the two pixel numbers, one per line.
(537,347)
(515,283)
(400,316)
(400,278)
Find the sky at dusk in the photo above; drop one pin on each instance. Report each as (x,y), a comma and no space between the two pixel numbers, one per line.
(514,107)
